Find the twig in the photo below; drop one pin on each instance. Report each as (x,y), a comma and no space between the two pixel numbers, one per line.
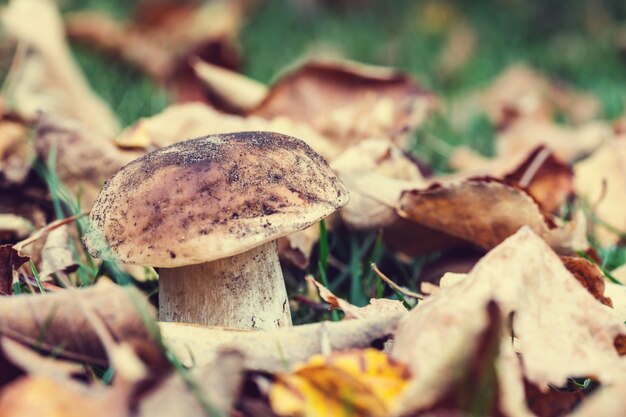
(395,286)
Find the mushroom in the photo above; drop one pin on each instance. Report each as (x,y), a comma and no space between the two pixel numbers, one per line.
(207,212)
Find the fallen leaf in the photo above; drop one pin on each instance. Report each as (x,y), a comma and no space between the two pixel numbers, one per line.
(273,350)
(14,227)
(485,211)
(219,386)
(55,322)
(237,92)
(16,153)
(376,308)
(43,396)
(348,101)
(56,254)
(601,180)
(522,93)
(76,148)
(358,382)
(567,143)
(589,275)
(44,76)
(10,261)
(163,36)
(187,121)
(605,402)
(563,331)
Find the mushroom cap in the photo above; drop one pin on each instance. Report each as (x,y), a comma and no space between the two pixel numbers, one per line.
(210,198)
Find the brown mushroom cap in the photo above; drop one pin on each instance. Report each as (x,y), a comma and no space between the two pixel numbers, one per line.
(210,198)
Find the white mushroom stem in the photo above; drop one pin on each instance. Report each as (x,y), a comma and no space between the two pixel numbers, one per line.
(243,291)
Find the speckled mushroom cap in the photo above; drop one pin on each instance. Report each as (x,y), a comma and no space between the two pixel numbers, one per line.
(210,198)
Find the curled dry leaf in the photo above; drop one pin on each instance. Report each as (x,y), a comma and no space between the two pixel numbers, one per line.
(348,102)
(521,92)
(14,227)
(540,173)
(56,254)
(376,307)
(485,211)
(355,382)
(186,121)
(10,261)
(601,180)
(77,148)
(563,331)
(16,153)
(44,76)
(236,92)
(35,364)
(162,37)
(589,275)
(220,384)
(273,350)
(567,143)
(35,396)
(55,322)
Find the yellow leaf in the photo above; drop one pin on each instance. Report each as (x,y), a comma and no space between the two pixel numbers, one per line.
(352,383)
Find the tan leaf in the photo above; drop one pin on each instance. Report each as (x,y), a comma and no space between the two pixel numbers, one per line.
(44,75)
(563,330)
(56,254)
(601,180)
(219,384)
(376,307)
(521,92)
(237,92)
(607,401)
(347,101)
(274,350)
(77,148)
(567,143)
(187,121)
(162,37)
(43,396)
(484,211)
(14,227)
(55,322)
(16,153)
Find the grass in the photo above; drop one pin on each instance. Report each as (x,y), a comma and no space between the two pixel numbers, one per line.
(574,41)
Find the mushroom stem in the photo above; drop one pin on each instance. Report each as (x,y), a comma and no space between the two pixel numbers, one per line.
(243,291)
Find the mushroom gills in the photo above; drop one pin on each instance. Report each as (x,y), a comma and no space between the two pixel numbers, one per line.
(243,291)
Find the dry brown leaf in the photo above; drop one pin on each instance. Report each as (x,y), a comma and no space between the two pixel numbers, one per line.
(16,153)
(35,364)
(219,382)
(521,92)
(348,102)
(56,254)
(589,275)
(554,402)
(37,396)
(601,180)
(237,92)
(563,331)
(376,173)
(14,227)
(376,308)
(10,261)
(358,383)
(164,35)
(567,143)
(55,322)
(84,159)
(485,211)
(607,401)
(274,350)
(296,248)
(187,121)
(44,76)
